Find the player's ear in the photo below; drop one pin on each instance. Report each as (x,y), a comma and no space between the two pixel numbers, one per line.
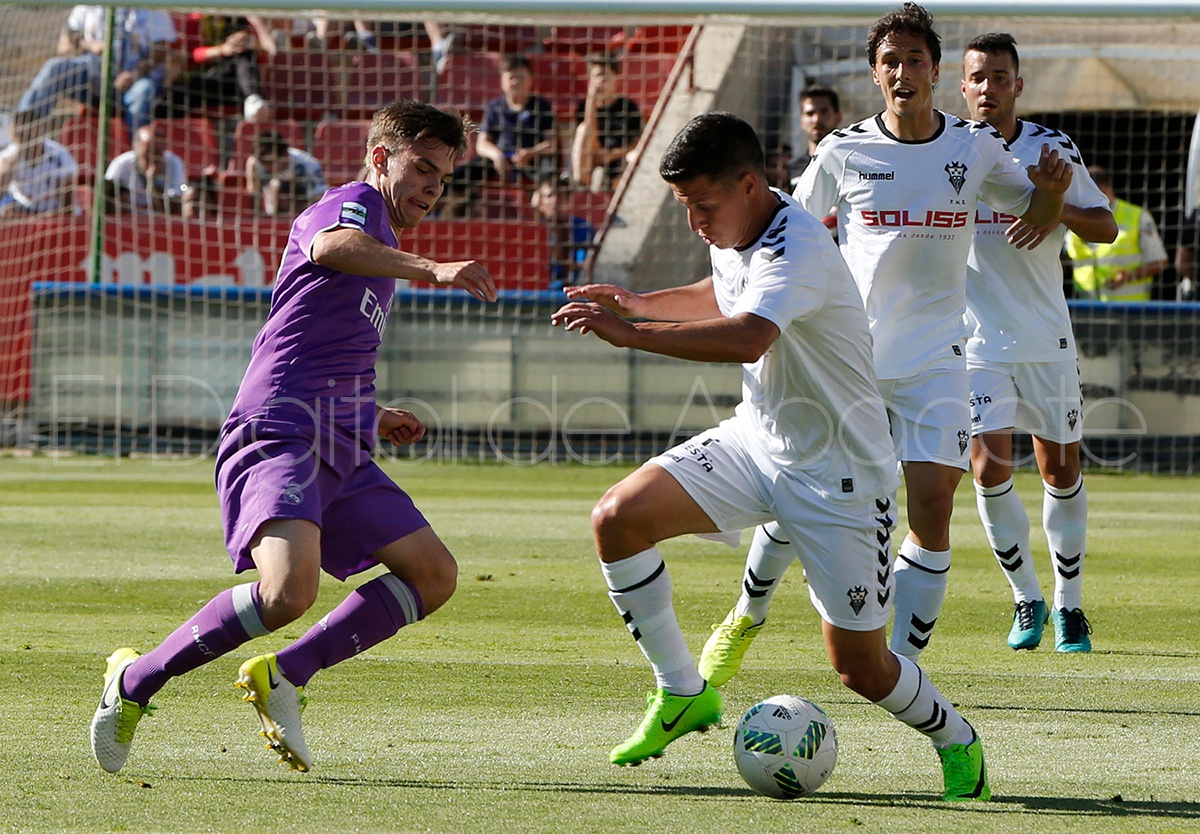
(1019,87)
(378,157)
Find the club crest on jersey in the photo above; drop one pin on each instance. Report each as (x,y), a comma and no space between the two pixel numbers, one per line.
(858,598)
(964,438)
(1072,418)
(958,175)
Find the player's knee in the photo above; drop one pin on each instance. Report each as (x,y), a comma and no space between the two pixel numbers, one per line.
(285,603)
(863,676)
(437,580)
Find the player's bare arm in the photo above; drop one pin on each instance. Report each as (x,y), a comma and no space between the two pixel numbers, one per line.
(1051,178)
(398,427)
(1095,225)
(693,302)
(743,338)
(357,253)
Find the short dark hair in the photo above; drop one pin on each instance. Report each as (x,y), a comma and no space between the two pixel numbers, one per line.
(996,43)
(408,123)
(712,145)
(817,91)
(270,143)
(515,61)
(913,19)
(604,59)
(1100,175)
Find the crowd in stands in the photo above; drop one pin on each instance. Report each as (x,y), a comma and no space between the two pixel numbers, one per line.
(221,116)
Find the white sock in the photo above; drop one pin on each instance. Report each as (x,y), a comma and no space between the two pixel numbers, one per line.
(769,556)
(917,702)
(640,587)
(1007,527)
(1064,518)
(920,589)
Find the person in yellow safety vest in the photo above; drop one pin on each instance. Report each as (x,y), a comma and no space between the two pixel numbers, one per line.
(1123,270)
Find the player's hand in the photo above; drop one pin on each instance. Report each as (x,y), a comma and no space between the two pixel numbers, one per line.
(471,276)
(1024,236)
(399,427)
(587,317)
(619,300)
(1052,173)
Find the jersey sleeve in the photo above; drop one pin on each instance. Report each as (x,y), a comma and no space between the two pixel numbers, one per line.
(818,189)
(1083,191)
(350,207)
(783,286)
(1006,187)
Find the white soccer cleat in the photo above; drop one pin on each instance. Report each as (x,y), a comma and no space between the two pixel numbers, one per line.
(116,718)
(278,705)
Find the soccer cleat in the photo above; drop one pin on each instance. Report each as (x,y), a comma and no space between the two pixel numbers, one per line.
(116,718)
(667,718)
(964,773)
(278,705)
(726,646)
(1029,616)
(1071,630)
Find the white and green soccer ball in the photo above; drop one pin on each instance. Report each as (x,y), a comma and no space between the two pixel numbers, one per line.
(785,747)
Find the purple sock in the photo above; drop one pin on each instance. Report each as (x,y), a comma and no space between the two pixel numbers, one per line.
(371,614)
(229,619)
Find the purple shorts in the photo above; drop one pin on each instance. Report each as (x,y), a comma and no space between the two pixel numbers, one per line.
(266,471)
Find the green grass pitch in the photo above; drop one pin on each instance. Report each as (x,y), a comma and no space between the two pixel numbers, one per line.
(497,713)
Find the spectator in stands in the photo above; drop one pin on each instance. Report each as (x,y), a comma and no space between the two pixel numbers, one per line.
(608,127)
(361,37)
(779,165)
(515,142)
(221,67)
(1187,268)
(284,180)
(570,236)
(148,178)
(37,174)
(1125,269)
(820,115)
(142,40)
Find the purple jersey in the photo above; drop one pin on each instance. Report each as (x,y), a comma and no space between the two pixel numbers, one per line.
(313,362)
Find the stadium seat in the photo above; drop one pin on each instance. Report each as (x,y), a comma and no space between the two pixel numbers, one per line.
(495,38)
(79,136)
(562,79)
(340,148)
(516,252)
(232,200)
(642,78)
(590,205)
(469,81)
(194,140)
(300,85)
(374,79)
(654,39)
(580,40)
(245,133)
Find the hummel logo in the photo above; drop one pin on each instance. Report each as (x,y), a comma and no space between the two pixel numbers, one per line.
(668,726)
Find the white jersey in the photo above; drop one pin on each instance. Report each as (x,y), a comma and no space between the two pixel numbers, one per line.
(37,186)
(906,212)
(811,400)
(1016,310)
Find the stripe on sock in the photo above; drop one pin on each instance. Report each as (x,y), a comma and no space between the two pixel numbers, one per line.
(246,608)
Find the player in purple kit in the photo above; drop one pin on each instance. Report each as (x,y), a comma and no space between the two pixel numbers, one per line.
(299,490)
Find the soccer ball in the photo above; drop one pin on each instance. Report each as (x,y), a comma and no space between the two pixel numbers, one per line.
(785,747)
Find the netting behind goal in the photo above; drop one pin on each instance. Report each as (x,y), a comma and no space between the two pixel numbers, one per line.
(126,319)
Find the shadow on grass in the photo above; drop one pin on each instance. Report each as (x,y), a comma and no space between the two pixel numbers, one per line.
(1064,806)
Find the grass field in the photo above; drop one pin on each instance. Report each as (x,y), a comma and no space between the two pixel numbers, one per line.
(497,714)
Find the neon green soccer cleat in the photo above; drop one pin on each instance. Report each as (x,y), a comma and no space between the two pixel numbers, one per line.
(964,772)
(116,718)
(667,718)
(1029,617)
(278,705)
(726,646)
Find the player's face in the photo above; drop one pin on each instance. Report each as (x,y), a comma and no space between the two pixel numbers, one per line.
(991,86)
(718,210)
(906,73)
(411,178)
(818,118)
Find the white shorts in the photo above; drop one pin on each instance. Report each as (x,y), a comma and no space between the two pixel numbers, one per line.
(844,546)
(1042,398)
(930,416)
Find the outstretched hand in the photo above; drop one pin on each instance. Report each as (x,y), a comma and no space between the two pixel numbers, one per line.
(471,276)
(1024,236)
(399,427)
(1052,173)
(589,317)
(619,300)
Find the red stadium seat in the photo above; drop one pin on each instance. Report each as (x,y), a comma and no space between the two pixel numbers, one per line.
(655,39)
(300,85)
(517,253)
(486,38)
(340,148)
(232,199)
(470,80)
(374,79)
(79,135)
(245,133)
(194,140)
(642,78)
(562,79)
(580,40)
